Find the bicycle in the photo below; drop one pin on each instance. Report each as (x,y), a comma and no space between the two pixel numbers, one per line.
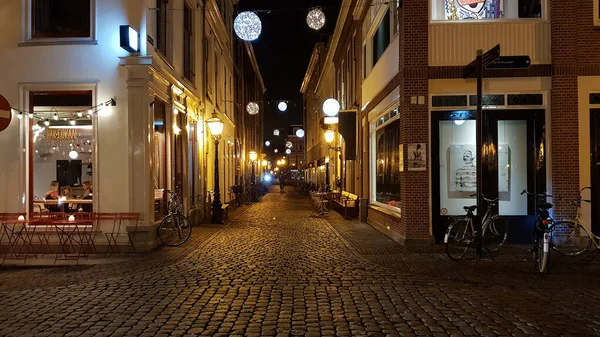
(570,237)
(175,229)
(544,225)
(239,196)
(461,234)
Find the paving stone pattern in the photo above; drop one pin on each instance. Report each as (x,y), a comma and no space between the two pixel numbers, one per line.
(281,270)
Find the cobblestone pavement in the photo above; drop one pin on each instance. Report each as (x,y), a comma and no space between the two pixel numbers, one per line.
(279,269)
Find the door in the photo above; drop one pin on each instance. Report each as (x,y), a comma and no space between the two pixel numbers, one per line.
(595,168)
(517,162)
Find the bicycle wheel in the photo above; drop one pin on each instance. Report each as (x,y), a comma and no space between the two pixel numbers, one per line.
(458,238)
(495,233)
(174,230)
(570,238)
(542,253)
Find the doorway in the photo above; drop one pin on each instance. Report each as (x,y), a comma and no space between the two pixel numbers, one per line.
(595,168)
(517,163)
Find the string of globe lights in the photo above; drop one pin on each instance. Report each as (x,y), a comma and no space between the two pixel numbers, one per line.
(247,24)
(253,108)
(70,117)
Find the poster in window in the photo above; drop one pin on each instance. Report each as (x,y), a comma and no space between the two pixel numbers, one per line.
(463,171)
(416,157)
(473,9)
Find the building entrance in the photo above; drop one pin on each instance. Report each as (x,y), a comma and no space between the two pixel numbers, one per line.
(516,162)
(595,168)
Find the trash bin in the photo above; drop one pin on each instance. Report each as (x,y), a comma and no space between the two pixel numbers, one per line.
(362,209)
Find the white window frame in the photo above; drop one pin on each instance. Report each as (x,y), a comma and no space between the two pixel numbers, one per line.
(373,128)
(26,29)
(378,14)
(596,13)
(545,13)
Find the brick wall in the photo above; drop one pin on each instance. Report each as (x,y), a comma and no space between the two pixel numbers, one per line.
(575,48)
(414,118)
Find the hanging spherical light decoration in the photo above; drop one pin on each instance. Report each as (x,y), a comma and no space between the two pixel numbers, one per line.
(276,132)
(331,107)
(315,19)
(288,151)
(288,144)
(275,150)
(300,133)
(73,154)
(267,143)
(247,26)
(252,108)
(282,106)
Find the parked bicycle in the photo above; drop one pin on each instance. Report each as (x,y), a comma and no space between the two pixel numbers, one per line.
(570,237)
(544,225)
(175,229)
(461,234)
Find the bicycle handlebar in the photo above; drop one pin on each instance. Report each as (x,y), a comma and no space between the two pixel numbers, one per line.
(541,195)
(486,199)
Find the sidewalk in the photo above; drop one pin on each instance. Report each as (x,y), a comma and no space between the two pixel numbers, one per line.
(511,266)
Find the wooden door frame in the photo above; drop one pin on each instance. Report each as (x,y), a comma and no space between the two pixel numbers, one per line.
(594,169)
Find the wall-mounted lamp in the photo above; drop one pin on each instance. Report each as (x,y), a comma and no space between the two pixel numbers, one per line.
(129,39)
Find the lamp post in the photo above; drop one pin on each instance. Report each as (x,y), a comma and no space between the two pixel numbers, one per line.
(329,137)
(253,157)
(215,125)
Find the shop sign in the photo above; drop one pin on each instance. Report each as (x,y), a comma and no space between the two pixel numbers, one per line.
(5,113)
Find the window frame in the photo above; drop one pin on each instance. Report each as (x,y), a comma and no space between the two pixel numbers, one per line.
(27,29)
(373,128)
(167,52)
(543,18)
(189,69)
(596,13)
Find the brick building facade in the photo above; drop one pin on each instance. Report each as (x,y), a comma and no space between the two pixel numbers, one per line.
(542,119)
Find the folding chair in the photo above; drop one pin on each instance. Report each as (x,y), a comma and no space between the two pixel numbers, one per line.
(111,237)
(128,218)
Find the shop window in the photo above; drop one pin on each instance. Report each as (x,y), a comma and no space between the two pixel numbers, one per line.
(381,39)
(386,189)
(441,101)
(162,14)
(525,99)
(188,43)
(61,160)
(159,162)
(595,98)
(487,100)
(461,10)
(61,19)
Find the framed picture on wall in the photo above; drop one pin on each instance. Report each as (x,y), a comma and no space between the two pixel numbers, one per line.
(417,157)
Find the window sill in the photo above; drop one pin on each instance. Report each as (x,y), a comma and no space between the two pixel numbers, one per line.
(393,211)
(189,83)
(56,42)
(487,22)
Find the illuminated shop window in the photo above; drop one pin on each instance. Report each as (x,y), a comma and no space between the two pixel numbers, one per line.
(458,10)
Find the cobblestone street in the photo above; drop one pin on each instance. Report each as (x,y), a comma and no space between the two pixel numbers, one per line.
(279,269)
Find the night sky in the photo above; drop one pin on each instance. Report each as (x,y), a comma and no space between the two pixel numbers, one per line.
(283,51)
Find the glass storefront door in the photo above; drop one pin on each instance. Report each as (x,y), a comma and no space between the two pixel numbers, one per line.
(517,163)
(595,168)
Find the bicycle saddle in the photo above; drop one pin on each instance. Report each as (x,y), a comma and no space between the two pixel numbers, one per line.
(470,208)
(544,205)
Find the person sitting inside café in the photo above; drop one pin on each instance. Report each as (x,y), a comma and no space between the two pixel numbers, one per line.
(87,195)
(67,194)
(53,194)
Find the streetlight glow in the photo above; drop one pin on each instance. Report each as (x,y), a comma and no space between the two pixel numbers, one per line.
(331,107)
(253,156)
(329,136)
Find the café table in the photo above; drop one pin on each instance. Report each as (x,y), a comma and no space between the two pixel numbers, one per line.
(19,235)
(72,237)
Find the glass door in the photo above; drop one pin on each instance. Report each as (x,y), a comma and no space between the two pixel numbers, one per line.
(517,163)
(595,168)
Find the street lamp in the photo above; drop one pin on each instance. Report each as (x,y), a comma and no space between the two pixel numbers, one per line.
(253,157)
(215,125)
